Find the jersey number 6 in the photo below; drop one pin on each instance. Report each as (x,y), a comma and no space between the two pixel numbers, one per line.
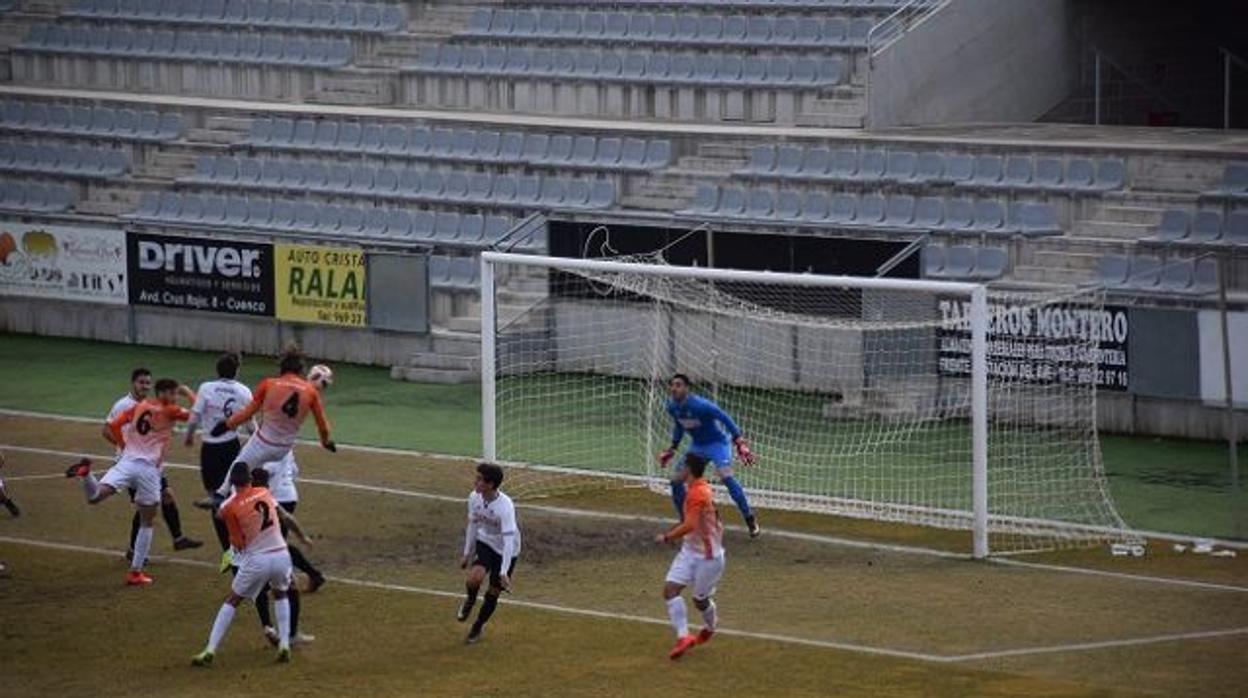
(144,423)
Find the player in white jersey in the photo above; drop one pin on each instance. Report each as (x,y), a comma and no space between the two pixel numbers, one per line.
(491,546)
(140,386)
(263,559)
(216,401)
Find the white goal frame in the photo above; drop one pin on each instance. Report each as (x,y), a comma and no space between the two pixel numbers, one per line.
(977,294)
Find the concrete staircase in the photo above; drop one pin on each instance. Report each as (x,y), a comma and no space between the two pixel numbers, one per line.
(848,111)
(447,357)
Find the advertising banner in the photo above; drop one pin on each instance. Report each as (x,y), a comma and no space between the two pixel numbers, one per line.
(1051,343)
(63,262)
(324,285)
(216,275)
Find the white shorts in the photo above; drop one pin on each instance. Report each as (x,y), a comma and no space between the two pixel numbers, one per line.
(257,569)
(699,573)
(255,454)
(140,475)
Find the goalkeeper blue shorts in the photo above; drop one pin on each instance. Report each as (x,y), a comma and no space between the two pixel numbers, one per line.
(717,453)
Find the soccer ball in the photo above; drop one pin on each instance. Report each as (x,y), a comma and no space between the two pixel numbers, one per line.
(321,376)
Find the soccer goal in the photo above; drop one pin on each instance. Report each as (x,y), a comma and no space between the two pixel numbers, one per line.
(869,398)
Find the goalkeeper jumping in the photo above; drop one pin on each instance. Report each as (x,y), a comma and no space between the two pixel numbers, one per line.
(712,431)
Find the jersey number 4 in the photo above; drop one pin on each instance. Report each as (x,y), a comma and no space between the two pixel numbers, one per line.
(266,518)
(144,423)
(290,408)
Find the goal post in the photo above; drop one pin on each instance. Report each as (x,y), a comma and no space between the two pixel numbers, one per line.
(843,384)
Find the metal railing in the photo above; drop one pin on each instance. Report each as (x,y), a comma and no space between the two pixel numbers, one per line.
(1229,61)
(1099,62)
(525,230)
(888,30)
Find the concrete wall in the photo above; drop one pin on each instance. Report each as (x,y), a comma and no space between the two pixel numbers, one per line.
(976,60)
(204,331)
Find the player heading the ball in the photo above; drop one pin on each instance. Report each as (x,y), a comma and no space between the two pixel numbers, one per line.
(712,433)
(284,403)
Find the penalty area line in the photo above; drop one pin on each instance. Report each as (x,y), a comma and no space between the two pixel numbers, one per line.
(511,601)
(771,533)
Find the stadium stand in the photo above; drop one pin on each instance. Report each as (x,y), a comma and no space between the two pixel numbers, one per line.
(61,160)
(31,197)
(278,14)
(99,122)
(474,146)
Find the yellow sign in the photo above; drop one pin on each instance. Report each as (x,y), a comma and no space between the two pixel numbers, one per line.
(321,284)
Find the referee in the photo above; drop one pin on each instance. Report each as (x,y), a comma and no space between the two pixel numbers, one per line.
(215,402)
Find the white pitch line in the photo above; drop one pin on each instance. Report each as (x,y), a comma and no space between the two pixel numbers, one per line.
(536,605)
(15,478)
(1100,645)
(1158,535)
(768,637)
(660,521)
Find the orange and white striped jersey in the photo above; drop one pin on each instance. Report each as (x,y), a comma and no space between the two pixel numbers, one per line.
(283,403)
(701,528)
(143,431)
(250,515)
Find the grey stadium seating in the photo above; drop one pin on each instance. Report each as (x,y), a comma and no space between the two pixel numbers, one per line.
(604,65)
(95,122)
(672,28)
(259,213)
(1143,274)
(964,262)
(217,47)
(1205,227)
(1234,184)
(892,213)
(986,172)
(461,145)
(62,160)
(24,197)
(378,182)
(355,17)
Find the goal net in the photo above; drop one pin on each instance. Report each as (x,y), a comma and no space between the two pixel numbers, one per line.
(865,398)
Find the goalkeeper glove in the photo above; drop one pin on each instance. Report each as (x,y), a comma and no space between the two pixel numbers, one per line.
(743,451)
(219,429)
(666,457)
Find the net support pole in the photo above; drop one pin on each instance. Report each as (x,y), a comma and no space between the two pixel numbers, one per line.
(488,329)
(979,422)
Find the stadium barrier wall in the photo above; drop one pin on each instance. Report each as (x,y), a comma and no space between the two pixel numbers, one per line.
(976,61)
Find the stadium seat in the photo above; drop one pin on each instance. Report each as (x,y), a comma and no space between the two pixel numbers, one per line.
(1234,183)
(959,262)
(1235,231)
(990,263)
(1206,227)
(842,209)
(933,261)
(1177,276)
(929,213)
(1145,273)
(1174,226)
(816,207)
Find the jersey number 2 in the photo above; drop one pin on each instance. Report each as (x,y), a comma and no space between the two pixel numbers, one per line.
(266,520)
(290,408)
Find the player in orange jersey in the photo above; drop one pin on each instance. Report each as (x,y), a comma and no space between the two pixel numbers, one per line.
(254,521)
(700,562)
(284,403)
(142,432)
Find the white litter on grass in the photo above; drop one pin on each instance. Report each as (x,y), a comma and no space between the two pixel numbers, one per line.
(1202,546)
(1180,548)
(1127,549)
(1223,553)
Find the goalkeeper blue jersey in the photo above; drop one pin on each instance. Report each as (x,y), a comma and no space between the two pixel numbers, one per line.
(704,421)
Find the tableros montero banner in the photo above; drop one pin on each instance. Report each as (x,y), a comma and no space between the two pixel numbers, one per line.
(63,262)
(323,285)
(1043,343)
(222,276)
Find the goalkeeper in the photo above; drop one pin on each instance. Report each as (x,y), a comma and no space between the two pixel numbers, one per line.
(712,431)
